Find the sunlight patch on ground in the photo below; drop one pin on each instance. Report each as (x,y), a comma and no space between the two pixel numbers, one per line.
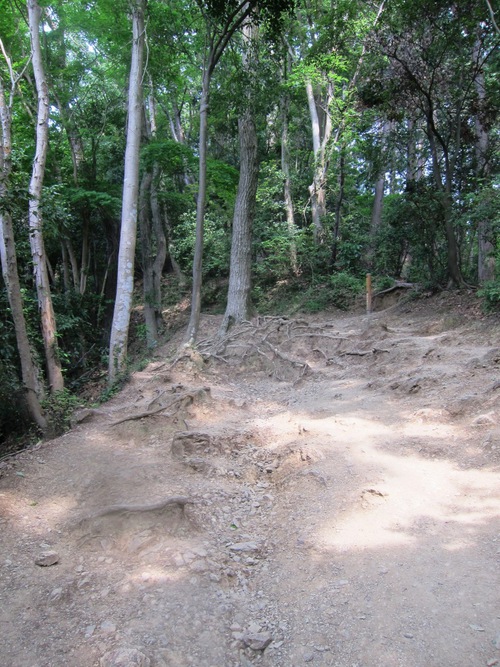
(413,492)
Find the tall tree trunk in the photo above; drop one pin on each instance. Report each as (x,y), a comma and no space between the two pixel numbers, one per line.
(321,134)
(238,298)
(444,186)
(194,321)
(240,272)
(47,317)
(287,185)
(128,232)
(218,42)
(486,249)
(338,208)
(147,260)
(161,245)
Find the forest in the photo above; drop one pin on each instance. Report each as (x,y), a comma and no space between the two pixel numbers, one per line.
(229,154)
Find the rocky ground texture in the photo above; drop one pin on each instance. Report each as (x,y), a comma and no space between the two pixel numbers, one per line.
(310,490)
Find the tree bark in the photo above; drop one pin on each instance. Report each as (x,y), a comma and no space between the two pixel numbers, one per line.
(47,317)
(287,185)
(321,134)
(238,298)
(194,321)
(128,232)
(486,249)
(150,306)
(218,43)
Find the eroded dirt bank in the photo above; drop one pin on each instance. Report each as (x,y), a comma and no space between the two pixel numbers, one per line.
(312,490)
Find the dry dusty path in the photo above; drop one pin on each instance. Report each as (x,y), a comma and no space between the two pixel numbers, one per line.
(320,492)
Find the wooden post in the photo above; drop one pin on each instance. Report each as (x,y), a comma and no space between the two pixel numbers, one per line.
(368,293)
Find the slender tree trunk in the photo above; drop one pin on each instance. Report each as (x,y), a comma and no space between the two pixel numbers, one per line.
(287,186)
(194,321)
(47,317)
(147,260)
(128,232)
(321,137)
(444,185)
(486,249)
(338,208)
(85,264)
(161,245)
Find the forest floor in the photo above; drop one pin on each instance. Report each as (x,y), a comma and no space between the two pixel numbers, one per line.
(318,490)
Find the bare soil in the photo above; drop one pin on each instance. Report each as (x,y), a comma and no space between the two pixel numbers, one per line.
(319,490)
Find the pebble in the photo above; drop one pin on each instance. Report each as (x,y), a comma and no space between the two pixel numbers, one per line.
(257,641)
(47,558)
(108,627)
(89,631)
(56,594)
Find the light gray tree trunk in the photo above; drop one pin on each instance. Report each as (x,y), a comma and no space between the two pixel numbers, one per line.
(321,134)
(128,231)
(287,184)
(47,317)
(194,320)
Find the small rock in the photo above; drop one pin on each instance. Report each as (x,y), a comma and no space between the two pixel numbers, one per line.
(309,656)
(198,566)
(56,594)
(47,558)
(124,657)
(257,641)
(408,635)
(89,631)
(254,627)
(477,628)
(108,628)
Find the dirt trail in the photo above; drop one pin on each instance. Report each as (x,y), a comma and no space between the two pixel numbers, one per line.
(316,490)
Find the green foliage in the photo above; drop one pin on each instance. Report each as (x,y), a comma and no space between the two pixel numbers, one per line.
(58,408)
(217,244)
(490,293)
(175,159)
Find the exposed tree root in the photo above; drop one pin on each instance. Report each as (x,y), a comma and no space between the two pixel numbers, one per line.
(179,501)
(189,396)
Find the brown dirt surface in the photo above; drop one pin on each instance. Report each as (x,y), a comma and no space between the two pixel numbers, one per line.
(319,490)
